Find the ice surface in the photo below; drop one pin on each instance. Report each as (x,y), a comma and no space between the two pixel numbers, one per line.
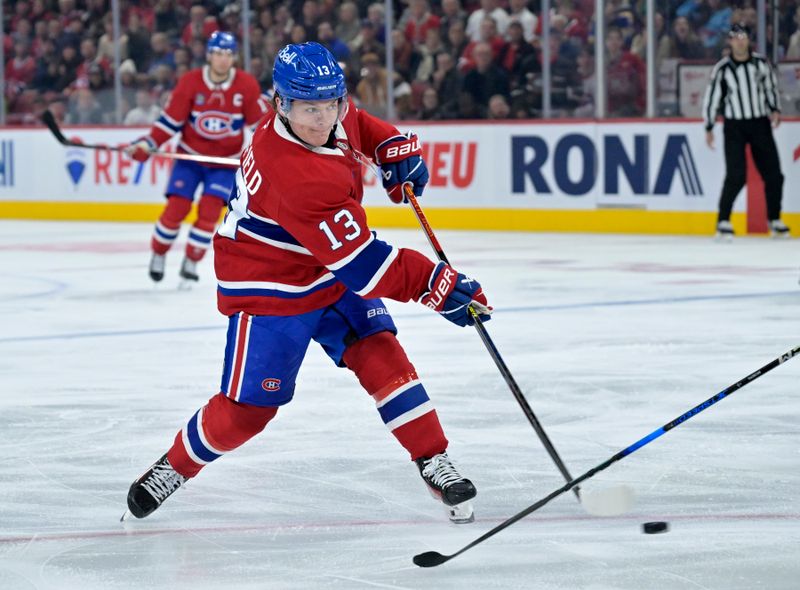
(608,336)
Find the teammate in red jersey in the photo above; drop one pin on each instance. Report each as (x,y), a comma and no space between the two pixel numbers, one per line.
(296,262)
(210,108)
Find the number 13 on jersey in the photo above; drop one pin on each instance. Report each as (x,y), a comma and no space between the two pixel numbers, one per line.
(345,219)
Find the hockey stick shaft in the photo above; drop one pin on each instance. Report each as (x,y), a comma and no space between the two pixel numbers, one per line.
(50,121)
(432,558)
(490,346)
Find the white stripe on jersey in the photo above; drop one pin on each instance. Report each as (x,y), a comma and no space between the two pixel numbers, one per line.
(350,257)
(373,282)
(275,243)
(275,286)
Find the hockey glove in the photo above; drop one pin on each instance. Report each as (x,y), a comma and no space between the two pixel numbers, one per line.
(141,149)
(401,163)
(451,293)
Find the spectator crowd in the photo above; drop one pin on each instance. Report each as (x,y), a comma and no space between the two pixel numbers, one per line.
(453,59)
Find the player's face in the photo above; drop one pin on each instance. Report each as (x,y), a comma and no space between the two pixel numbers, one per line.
(312,121)
(221,62)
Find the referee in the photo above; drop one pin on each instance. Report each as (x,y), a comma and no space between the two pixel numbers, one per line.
(743,87)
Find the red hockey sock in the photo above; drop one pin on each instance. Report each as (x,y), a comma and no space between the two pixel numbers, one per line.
(217,428)
(208,212)
(169,224)
(383,369)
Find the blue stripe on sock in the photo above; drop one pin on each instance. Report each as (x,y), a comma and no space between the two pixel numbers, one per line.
(197,445)
(405,402)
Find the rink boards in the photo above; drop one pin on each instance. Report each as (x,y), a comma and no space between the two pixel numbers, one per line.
(631,176)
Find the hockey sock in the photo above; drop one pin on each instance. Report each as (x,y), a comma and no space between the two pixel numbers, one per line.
(383,369)
(169,224)
(208,212)
(217,428)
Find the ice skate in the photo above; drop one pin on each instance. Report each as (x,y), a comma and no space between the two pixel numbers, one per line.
(149,491)
(446,484)
(157,263)
(189,270)
(778,229)
(724,231)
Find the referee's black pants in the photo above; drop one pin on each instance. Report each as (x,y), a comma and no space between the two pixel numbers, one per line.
(757,133)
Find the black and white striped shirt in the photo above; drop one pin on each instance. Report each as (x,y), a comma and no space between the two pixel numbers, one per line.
(741,89)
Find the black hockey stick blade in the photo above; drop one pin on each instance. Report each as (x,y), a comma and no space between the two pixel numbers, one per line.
(50,121)
(430,559)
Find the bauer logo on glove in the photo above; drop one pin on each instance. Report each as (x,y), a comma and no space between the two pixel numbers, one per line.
(400,159)
(452,293)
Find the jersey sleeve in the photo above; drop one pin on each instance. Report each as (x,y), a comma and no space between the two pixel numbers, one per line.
(334,229)
(373,131)
(174,114)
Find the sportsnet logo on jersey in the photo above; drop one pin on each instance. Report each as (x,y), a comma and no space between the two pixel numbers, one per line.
(271,384)
(213,124)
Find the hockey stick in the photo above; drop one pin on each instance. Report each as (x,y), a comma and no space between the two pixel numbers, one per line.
(433,558)
(495,354)
(50,121)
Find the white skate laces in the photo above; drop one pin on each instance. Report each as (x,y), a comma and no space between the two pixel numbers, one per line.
(440,471)
(163,481)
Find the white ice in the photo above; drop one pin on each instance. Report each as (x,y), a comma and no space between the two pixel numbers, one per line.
(608,336)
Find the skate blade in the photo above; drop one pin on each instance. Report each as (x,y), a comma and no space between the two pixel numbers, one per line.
(725,238)
(186,284)
(461,513)
(126,516)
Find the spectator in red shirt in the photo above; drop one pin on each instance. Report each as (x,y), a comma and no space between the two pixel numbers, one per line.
(200,25)
(19,70)
(625,74)
(488,35)
(420,20)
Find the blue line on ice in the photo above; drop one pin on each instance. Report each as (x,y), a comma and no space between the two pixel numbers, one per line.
(503,311)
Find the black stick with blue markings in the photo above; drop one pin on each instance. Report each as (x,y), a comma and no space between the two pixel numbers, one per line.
(432,558)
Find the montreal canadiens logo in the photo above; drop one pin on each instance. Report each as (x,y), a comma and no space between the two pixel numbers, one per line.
(213,124)
(271,384)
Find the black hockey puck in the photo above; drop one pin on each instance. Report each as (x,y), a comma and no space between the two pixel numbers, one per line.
(653,528)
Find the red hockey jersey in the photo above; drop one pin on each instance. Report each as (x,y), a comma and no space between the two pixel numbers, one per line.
(296,236)
(210,117)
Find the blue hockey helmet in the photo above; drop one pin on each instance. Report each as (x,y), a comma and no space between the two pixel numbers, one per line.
(307,71)
(221,41)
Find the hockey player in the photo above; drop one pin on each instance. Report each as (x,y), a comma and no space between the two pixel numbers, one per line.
(296,261)
(210,108)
